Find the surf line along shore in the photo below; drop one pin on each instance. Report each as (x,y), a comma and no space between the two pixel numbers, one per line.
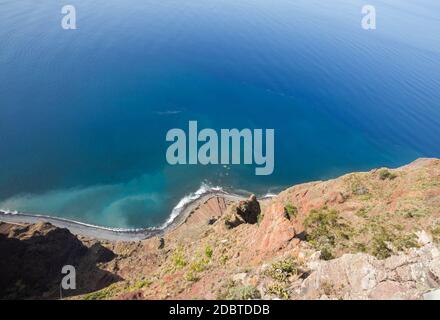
(114,234)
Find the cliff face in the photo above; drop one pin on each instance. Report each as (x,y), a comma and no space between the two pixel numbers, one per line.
(32,256)
(361,236)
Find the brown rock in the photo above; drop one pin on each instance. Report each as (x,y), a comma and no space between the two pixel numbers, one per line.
(247,211)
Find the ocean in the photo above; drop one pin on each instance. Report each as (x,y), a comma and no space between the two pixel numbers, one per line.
(84,113)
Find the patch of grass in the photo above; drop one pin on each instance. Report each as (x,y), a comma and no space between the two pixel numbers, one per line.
(360,247)
(365,197)
(329,233)
(435,231)
(386,243)
(117,288)
(282,270)
(406,241)
(325,230)
(223,259)
(199,265)
(104,294)
(178,258)
(278,290)
(432,183)
(380,246)
(208,251)
(362,213)
(328,288)
(191,276)
(385,174)
(141,284)
(409,214)
(290,211)
(243,293)
(327,253)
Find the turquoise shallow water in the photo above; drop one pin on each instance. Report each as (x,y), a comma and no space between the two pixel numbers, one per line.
(84,113)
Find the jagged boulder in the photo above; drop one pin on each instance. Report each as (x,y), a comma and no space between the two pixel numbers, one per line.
(249,210)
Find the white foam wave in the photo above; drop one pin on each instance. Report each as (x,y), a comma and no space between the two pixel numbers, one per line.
(203,190)
(269,195)
(7,211)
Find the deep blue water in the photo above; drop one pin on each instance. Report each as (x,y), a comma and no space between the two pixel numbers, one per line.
(84,113)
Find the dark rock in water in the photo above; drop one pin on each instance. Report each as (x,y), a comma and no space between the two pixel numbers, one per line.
(247,211)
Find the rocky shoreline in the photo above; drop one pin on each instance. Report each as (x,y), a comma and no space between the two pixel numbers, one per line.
(114,234)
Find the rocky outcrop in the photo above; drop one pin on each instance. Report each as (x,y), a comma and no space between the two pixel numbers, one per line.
(249,210)
(274,234)
(246,211)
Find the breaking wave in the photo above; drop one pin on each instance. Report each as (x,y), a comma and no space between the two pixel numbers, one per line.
(187,200)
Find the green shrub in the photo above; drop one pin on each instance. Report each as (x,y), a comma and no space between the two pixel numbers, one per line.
(328,288)
(326,253)
(325,230)
(362,213)
(191,276)
(178,258)
(208,251)
(385,243)
(141,284)
(282,270)
(223,259)
(380,246)
(103,294)
(243,293)
(199,265)
(435,231)
(412,213)
(360,247)
(279,291)
(290,211)
(407,241)
(385,174)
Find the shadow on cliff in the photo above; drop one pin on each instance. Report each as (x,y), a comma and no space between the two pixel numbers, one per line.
(31,259)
